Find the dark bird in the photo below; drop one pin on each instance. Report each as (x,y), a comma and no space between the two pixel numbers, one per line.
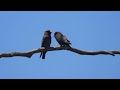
(46,41)
(61,39)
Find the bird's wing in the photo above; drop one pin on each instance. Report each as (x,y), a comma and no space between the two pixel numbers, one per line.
(66,40)
(46,41)
(43,42)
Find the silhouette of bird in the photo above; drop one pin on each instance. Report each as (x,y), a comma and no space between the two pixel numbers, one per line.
(61,39)
(46,41)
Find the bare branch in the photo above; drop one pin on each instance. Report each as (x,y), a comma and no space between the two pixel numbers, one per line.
(81,52)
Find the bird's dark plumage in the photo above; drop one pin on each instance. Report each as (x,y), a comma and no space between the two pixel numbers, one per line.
(61,39)
(46,41)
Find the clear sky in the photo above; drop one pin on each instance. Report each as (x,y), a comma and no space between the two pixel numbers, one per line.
(87,30)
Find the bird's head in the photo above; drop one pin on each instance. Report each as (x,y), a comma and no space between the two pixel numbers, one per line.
(57,34)
(48,32)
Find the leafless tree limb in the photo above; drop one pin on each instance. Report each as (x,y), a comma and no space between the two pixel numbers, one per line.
(81,52)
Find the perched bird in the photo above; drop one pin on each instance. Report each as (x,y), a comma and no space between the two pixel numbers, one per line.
(61,39)
(46,41)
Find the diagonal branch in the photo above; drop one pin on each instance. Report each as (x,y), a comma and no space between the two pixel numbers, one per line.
(81,52)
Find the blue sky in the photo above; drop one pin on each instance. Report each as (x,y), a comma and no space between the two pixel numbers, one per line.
(87,30)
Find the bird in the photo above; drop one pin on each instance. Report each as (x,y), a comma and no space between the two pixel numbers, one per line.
(46,41)
(61,39)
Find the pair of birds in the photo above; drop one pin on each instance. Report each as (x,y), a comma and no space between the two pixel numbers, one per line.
(46,41)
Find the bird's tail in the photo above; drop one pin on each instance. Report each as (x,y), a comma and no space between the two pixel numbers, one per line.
(69,45)
(42,55)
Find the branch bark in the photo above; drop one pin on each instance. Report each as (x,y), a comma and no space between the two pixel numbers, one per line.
(81,52)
